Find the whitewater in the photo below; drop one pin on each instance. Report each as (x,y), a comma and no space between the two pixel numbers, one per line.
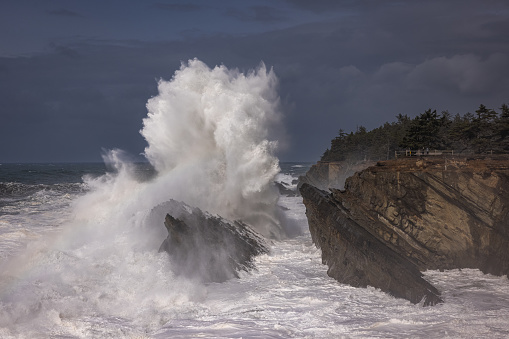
(79,242)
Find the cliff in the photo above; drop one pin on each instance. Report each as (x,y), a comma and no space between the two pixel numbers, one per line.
(327,174)
(423,213)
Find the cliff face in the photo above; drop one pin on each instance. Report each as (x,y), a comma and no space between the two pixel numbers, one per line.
(325,174)
(429,213)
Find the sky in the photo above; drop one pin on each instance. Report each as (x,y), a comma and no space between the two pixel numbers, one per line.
(75,76)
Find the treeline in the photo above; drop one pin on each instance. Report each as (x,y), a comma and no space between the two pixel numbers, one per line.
(485,131)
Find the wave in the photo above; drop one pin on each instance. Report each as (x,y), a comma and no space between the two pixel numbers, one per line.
(19,190)
(211,135)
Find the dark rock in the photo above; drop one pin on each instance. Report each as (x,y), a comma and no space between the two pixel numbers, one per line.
(332,174)
(209,247)
(358,258)
(434,212)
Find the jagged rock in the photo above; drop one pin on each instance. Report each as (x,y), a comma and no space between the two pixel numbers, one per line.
(355,256)
(434,212)
(208,247)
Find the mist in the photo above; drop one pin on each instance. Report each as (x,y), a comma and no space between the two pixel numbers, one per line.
(209,134)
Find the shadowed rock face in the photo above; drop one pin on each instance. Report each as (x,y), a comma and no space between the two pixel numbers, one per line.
(355,256)
(208,247)
(429,213)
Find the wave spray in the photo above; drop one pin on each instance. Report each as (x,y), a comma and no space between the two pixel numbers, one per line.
(209,139)
(208,133)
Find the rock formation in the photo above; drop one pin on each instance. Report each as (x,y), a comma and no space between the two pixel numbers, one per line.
(208,247)
(327,174)
(407,215)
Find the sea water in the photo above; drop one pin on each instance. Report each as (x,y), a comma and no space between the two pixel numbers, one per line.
(79,242)
(67,291)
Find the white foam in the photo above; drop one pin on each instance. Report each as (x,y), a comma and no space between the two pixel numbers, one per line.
(209,133)
(102,276)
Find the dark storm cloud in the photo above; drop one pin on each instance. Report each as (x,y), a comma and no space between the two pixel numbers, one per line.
(64,50)
(320,6)
(65,13)
(256,13)
(67,109)
(362,68)
(178,7)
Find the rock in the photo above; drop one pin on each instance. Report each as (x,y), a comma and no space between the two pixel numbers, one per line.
(332,174)
(357,257)
(434,212)
(208,247)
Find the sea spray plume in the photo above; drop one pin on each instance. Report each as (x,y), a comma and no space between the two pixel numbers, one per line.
(208,138)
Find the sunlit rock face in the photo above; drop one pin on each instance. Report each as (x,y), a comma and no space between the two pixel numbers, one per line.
(208,247)
(332,174)
(429,213)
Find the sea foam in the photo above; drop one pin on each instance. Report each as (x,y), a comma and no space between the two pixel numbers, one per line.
(209,135)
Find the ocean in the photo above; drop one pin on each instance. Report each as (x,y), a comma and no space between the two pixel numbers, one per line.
(79,243)
(63,277)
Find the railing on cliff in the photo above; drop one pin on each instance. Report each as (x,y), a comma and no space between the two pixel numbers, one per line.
(428,152)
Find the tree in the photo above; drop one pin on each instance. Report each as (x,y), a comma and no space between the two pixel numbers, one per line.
(423,131)
(502,129)
(483,129)
(460,132)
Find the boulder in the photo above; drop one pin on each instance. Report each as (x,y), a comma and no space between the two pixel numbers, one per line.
(208,247)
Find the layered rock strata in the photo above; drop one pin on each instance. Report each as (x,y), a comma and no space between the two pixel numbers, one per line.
(327,174)
(423,213)
(208,247)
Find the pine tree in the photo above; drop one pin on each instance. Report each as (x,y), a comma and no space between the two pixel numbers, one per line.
(423,131)
(502,129)
(483,128)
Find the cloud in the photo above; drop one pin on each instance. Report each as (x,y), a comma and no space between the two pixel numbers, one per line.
(469,73)
(178,7)
(256,13)
(65,13)
(321,5)
(361,69)
(64,50)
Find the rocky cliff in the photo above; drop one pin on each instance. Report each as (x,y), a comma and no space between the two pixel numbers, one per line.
(403,216)
(327,174)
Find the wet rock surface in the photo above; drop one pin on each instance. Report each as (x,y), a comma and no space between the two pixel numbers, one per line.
(208,247)
(357,257)
(418,213)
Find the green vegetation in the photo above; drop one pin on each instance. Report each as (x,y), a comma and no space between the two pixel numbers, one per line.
(485,131)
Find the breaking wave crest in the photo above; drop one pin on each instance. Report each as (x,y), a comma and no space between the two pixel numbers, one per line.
(208,132)
(210,140)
